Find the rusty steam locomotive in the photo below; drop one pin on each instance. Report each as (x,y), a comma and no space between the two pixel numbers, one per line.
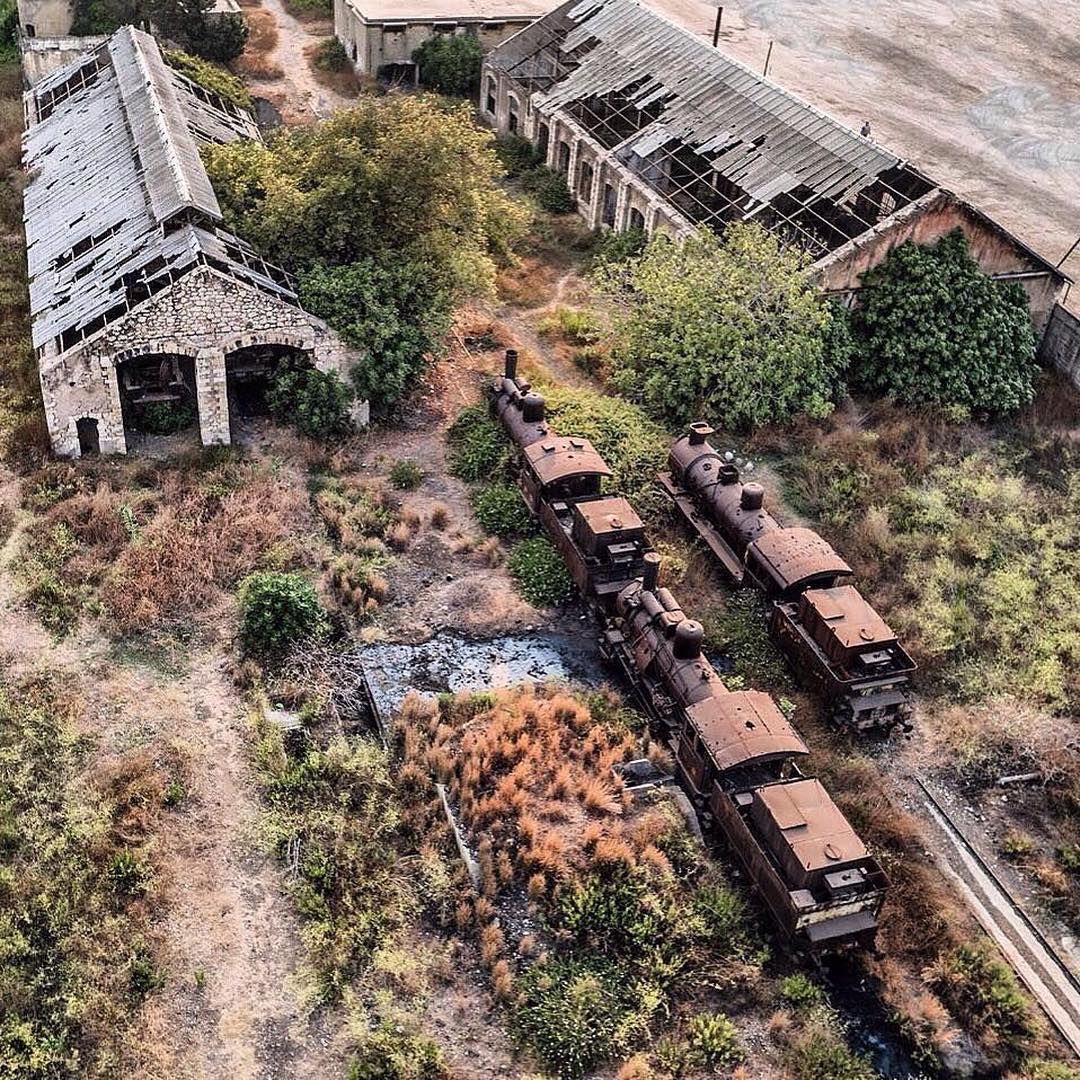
(736,752)
(832,637)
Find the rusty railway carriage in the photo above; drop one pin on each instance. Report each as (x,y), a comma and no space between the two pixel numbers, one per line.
(831,636)
(736,752)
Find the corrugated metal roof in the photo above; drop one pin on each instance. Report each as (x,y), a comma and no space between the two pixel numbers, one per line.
(117,191)
(758,135)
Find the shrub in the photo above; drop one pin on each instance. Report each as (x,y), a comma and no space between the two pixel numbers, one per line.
(800,992)
(167,417)
(725,328)
(577,325)
(517,154)
(550,190)
(450,64)
(315,403)
(618,247)
(220,38)
(331,55)
(390,1054)
(9,29)
(500,510)
(819,1052)
(209,77)
(573,1013)
(479,448)
(713,1041)
(932,327)
(982,990)
(539,572)
(406,475)
(277,610)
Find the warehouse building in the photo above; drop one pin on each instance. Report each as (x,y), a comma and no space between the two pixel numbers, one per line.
(380,35)
(655,129)
(139,299)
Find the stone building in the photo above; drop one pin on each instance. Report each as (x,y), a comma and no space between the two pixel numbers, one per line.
(653,128)
(140,300)
(380,35)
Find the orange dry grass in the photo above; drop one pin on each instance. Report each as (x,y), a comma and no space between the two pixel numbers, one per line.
(262,40)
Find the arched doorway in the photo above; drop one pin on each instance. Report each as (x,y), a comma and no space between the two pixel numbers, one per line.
(250,374)
(157,394)
(86,427)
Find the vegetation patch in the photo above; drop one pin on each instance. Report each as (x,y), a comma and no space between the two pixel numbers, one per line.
(501,511)
(278,611)
(539,572)
(209,76)
(316,403)
(479,448)
(450,64)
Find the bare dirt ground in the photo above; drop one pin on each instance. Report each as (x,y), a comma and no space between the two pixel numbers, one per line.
(300,97)
(983,96)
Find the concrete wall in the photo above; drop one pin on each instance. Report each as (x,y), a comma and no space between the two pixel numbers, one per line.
(631,194)
(928,219)
(373,46)
(205,316)
(49,18)
(1060,346)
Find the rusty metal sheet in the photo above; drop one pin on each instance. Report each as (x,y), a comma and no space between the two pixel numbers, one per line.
(558,458)
(612,514)
(746,726)
(847,616)
(797,554)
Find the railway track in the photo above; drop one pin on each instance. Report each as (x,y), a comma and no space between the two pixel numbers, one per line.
(1036,962)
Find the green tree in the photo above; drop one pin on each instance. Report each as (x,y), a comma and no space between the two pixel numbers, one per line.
(933,328)
(392,312)
(191,25)
(726,328)
(450,64)
(276,611)
(316,403)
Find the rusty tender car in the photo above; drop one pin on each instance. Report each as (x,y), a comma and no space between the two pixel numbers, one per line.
(834,640)
(736,752)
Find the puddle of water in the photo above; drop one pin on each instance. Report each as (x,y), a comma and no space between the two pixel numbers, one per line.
(448,662)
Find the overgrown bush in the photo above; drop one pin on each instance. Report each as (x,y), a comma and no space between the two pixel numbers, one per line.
(550,189)
(577,325)
(9,32)
(539,572)
(500,510)
(517,154)
(191,24)
(725,328)
(209,76)
(406,474)
(799,991)
(331,55)
(479,448)
(392,1054)
(450,64)
(713,1042)
(166,417)
(314,402)
(614,247)
(932,327)
(277,611)
(819,1052)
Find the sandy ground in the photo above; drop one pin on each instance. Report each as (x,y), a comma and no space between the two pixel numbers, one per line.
(982,95)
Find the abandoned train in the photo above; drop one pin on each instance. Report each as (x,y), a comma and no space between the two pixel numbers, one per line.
(735,751)
(832,637)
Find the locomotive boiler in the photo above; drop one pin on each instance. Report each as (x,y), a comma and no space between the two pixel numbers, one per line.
(835,641)
(736,755)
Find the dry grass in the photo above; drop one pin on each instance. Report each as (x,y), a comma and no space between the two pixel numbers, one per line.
(347,82)
(255,61)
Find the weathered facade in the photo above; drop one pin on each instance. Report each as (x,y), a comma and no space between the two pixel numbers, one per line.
(654,129)
(139,299)
(380,35)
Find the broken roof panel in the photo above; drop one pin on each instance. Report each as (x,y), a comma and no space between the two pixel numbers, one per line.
(118,202)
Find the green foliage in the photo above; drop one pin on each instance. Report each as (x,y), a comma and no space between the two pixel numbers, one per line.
(310,9)
(633,445)
(127,874)
(393,312)
(209,76)
(575,1013)
(331,55)
(1041,1069)
(977,986)
(105,16)
(713,1041)
(391,1054)
(932,327)
(406,474)
(166,417)
(614,248)
(74,967)
(450,64)
(500,510)
(550,190)
(539,572)
(192,25)
(819,1052)
(336,808)
(720,327)
(577,325)
(799,991)
(9,32)
(277,610)
(479,448)
(517,154)
(739,629)
(314,402)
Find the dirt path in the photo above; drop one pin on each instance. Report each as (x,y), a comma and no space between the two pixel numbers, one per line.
(299,96)
(225,913)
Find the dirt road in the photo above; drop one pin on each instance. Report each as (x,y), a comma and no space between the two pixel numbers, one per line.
(983,96)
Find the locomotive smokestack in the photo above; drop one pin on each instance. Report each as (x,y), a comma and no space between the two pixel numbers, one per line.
(510,371)
(689,635)
(532,408)
(753,496)
(698,433)
(652,570)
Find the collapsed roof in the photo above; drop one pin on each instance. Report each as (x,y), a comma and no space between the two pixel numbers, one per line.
(118,203)
(714,139)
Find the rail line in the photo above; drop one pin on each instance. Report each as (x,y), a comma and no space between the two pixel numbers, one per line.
(1048,978)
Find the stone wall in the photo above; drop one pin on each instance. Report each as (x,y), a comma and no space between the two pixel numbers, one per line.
(205,316)
(1060,346)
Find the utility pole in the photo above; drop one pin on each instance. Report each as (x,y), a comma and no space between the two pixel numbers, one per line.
(768,57)
(716,28)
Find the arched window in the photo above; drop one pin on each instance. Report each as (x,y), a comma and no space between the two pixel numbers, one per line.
(489,104)
(515,115)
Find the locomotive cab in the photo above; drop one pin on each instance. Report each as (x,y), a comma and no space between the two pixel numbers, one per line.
(557,469)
